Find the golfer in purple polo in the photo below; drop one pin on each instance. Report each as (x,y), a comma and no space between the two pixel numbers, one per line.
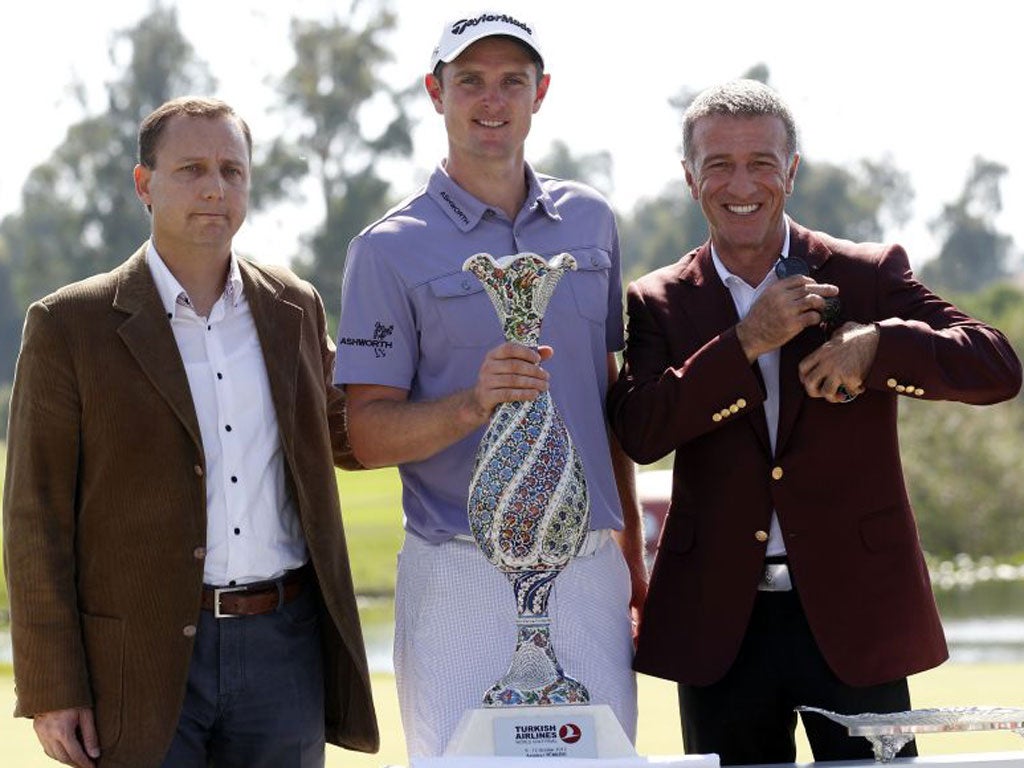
(423,360)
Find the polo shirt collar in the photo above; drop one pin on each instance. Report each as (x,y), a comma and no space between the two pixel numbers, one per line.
(537,197)
(466,211)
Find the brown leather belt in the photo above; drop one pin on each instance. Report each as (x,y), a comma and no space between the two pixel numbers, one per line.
(253,599)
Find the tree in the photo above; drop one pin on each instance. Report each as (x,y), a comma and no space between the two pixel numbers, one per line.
(10,329)
(660,230)
(854,205)
(334,90)
(594,169)
(79,213)
(974,253)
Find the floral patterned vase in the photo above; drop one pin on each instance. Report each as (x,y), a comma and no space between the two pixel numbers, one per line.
(528,506)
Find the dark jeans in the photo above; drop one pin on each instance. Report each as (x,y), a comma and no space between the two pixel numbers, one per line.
(747,717)
(255,695)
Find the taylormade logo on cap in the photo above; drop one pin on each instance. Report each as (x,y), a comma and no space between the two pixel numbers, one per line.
(458,35)
(460,26)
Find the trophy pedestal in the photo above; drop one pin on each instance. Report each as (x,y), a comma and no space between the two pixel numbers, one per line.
(583,731)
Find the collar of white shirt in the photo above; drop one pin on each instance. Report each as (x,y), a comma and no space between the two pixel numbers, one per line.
(723,271)
(170,290)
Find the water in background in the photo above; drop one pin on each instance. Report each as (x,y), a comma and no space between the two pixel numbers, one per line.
(983,619)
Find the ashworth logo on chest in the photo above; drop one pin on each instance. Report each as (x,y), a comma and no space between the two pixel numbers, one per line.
(379,342)
(461,25)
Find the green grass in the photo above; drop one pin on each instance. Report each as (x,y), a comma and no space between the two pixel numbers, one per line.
(371,506)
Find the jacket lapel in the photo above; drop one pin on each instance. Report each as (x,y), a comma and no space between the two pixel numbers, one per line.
(792,395)
(149,338)
(279,327)
(712,311)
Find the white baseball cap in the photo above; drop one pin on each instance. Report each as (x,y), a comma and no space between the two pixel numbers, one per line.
(459,34)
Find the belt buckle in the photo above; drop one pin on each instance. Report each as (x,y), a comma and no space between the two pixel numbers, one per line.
(775,578)
(217,592)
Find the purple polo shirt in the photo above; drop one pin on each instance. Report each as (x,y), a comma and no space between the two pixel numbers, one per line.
(412,319)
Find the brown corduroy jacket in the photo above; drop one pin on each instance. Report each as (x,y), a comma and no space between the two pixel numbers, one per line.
(105,505)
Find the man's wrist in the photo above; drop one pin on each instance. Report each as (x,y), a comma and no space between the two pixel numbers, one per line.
(748,342)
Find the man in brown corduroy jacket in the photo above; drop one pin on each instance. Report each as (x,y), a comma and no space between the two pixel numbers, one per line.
(173,544)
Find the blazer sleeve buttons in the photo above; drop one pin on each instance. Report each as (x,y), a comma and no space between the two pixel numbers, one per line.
(904,389)
(730,410)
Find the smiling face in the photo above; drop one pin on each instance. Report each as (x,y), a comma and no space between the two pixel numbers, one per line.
(741,173)
(488,96)
(198,187)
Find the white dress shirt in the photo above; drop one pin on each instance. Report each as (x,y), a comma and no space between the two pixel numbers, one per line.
(744,296)
(252,528)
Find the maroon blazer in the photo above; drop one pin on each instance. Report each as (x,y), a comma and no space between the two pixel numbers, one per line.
(835,478)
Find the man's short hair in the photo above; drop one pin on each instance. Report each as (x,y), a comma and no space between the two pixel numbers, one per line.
(738,98)
(192,106)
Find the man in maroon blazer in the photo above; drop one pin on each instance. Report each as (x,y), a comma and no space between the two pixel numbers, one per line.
(771,360)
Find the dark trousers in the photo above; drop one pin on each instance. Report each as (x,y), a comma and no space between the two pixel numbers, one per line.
(747,717)
(255,695)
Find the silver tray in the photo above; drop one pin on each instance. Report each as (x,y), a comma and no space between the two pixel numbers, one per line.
(889,732)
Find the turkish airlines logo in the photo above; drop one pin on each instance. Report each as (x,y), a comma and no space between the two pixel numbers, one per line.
(570,733)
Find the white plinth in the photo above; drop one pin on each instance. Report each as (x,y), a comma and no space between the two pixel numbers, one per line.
(671,761)
(978,760)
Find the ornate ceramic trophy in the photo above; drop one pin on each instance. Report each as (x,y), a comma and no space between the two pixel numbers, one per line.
(528,504)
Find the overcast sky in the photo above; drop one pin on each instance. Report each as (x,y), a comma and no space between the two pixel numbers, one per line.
(930,85)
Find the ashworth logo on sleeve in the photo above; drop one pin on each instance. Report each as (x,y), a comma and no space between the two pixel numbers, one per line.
(379,342)
(461,25)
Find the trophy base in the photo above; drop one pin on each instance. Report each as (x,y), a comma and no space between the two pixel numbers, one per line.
(590,731)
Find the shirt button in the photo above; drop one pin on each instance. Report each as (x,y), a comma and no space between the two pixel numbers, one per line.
(189,630)
(741,403)
(761,536)
(900,388)
(198,470)
(776,473)
(891,383)
(716,417)
(734,408)
(199,553)
(465,285)
(919,392)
